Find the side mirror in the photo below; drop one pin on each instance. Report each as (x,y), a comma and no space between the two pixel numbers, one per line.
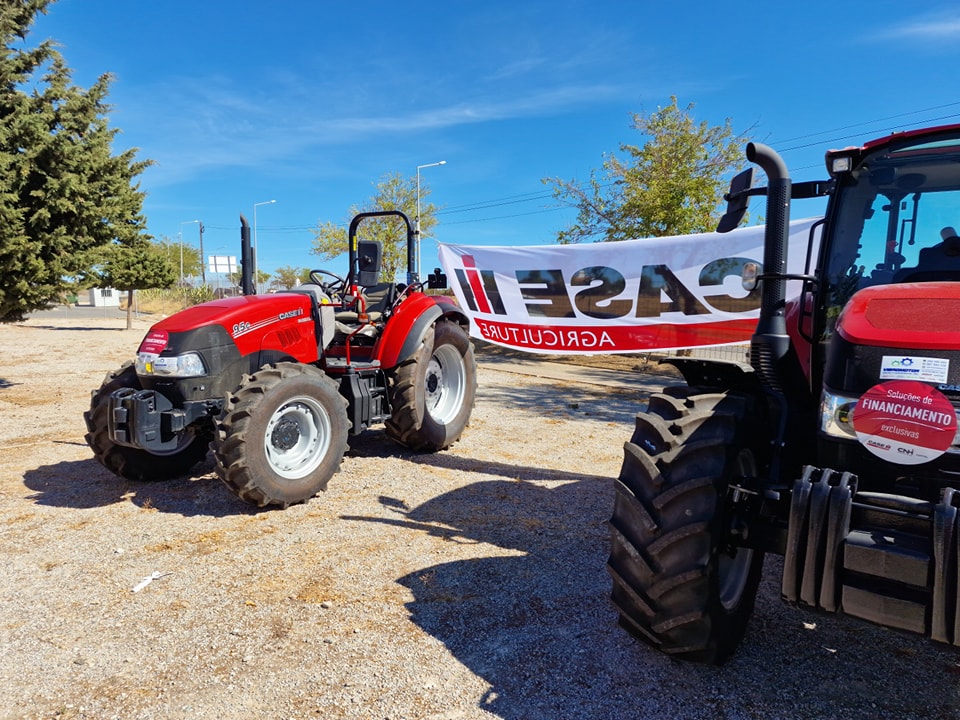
(436,280)
(737,200)
(750,276)
(368,262)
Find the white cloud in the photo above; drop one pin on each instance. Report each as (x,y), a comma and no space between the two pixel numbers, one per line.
(929,27)
(191,127)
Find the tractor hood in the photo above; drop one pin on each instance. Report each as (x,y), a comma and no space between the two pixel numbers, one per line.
(238,314)
(250,322)
(910,316)
(897,332)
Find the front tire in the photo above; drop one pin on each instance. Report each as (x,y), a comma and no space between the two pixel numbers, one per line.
(680,583)
(432,394)
(133,463)
(282,435)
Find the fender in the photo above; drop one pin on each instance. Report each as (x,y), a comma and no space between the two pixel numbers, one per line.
(409,325)
(716,373)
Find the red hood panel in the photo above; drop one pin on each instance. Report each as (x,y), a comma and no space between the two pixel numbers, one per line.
(910,315)
(249,309)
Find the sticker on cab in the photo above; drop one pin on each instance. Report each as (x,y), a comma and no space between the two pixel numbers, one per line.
(912,367)
(905,422)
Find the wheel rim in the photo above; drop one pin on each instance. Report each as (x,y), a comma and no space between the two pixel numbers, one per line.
(297,438)
(733,571)
(445,384)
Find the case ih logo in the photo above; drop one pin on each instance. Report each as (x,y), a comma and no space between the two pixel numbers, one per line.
(632,296)
(476,284)
(597,291)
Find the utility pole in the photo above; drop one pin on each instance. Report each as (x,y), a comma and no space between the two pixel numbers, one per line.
(203,262)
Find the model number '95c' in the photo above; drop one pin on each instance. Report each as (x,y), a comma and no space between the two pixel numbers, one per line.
(240,327)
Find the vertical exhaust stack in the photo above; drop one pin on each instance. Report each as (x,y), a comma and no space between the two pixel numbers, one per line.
(770,342)
(246,259)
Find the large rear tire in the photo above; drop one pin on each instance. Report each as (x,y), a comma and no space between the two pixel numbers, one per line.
(134,463)
(680,583)
(282,435)
(432,394)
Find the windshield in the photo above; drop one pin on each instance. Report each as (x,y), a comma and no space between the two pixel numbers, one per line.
(897,219)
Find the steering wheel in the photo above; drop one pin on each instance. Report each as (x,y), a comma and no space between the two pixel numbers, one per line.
(333,289)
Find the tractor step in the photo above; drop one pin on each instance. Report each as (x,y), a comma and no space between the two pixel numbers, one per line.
(341,363)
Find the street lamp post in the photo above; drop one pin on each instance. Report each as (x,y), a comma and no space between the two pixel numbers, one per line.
(417,229)
(256,248)
(187,222)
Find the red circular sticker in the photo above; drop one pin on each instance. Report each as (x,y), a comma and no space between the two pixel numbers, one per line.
(905,422)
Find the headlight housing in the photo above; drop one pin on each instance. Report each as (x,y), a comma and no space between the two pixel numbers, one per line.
(181,366)
(836,415)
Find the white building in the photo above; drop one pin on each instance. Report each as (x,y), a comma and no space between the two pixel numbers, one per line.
(104,297)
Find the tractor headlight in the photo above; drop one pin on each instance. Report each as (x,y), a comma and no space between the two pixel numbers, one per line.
(186,365)
(836,415)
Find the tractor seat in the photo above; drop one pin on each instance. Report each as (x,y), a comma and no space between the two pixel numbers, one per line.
(378,300)
(939,262)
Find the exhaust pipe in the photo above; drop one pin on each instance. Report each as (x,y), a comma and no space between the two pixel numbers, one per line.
(246,259)
(770,342)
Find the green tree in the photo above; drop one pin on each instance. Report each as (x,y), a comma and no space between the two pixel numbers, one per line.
(393,192)
(236,279)
(287,277)
(63,193)
(135,266)
(670,185)
(184,254)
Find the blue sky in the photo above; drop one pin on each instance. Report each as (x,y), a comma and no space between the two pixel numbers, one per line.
(310,103)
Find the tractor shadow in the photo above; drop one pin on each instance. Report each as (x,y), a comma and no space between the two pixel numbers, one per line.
(85,328)
(85,484)
(536,624)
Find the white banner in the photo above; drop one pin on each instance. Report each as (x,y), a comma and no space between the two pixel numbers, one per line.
(618,297)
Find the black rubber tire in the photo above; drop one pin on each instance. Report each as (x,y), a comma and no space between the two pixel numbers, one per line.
(298,411)
(432,394)
(677,583)
(133,463)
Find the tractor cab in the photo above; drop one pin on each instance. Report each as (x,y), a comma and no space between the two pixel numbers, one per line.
(896,207)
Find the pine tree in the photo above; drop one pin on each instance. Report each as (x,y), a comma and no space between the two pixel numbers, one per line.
(135,266)
(63,193)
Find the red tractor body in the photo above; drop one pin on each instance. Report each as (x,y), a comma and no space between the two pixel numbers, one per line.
(276,383)
(837,446)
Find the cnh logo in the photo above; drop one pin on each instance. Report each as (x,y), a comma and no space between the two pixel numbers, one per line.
(597,291)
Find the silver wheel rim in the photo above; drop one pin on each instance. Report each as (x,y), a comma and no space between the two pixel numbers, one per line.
(445,384)
(297,438)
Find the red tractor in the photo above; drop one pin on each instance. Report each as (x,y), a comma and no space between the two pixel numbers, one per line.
(837,446)
(274,384)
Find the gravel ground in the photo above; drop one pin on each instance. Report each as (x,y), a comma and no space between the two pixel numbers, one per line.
(465,584)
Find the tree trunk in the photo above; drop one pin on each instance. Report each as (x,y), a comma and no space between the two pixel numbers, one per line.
(130,309)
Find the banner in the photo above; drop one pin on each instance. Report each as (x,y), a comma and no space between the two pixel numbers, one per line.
(618,297)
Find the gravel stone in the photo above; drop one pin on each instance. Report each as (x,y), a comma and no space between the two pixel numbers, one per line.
(465,584)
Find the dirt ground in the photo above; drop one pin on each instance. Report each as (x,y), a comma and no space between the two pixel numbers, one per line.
(465,584)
